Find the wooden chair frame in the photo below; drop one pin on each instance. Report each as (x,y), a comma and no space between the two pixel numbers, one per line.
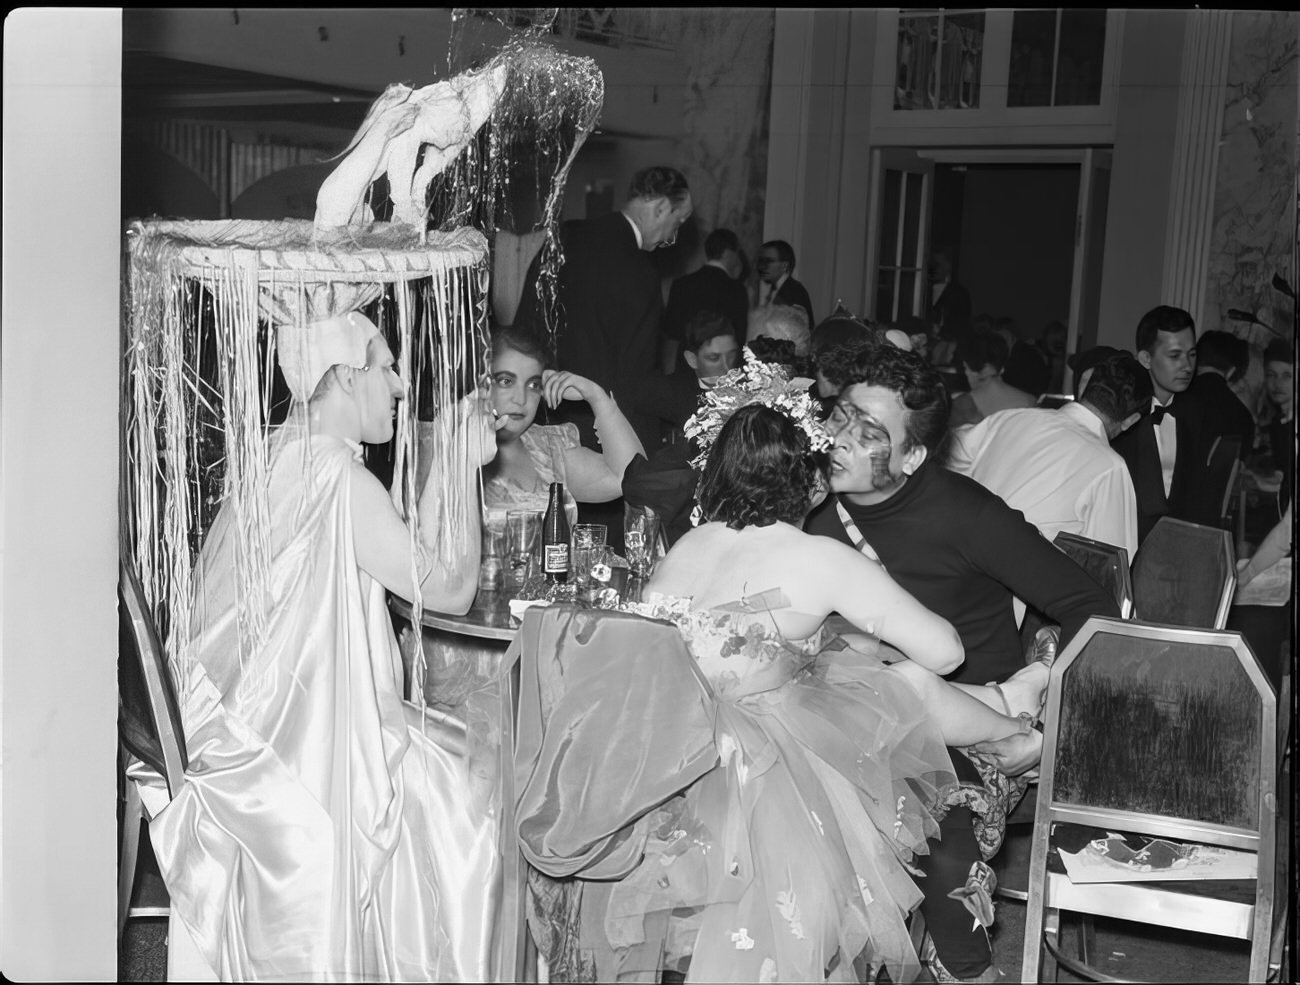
(1050,893)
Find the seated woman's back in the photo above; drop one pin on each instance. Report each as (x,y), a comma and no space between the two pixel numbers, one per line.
(714,565)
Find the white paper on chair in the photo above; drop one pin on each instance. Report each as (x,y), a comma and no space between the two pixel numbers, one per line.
(1112,860)
(1270,587)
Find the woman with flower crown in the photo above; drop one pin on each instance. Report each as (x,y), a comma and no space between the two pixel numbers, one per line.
(832,765)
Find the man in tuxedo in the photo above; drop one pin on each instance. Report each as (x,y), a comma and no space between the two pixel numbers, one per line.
(609,294)
(1161,449)
(777,283)
(714,287)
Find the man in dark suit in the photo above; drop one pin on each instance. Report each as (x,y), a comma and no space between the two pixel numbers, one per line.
(1161,448)
(1220,358)
(609,294)
(714,287)
(777,284)
(710,350)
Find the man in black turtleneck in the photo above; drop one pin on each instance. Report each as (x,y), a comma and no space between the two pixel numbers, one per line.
(961,551)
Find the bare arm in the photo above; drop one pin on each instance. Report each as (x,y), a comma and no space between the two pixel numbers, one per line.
(594,477)
(383,540)
(862,592)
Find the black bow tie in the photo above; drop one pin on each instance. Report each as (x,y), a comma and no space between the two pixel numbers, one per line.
(1159,413)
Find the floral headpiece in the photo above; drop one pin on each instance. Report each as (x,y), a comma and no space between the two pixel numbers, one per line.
(754,382)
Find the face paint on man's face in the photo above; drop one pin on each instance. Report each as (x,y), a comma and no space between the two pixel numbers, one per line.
(867,430)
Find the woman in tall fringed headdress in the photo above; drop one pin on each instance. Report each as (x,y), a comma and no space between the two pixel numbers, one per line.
(326,829)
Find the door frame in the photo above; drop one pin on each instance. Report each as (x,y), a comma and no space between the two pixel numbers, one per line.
(1088,160)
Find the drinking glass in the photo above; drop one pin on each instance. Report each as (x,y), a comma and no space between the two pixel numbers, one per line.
(492,553)
(587,547)
(641,538)
(523,541)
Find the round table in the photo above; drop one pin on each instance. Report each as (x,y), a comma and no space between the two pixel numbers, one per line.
(462,653)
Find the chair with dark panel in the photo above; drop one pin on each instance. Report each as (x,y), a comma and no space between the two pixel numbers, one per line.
(1165,737)
(1184,575)
(1107,564)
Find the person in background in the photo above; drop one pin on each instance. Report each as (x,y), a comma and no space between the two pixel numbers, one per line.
(949,305)
(782,322)
(776,280)
(610,295)
(1027,366)
(715,287)
(1056,466)
(1053,346)
(709,350)
(983,357)
(1219,359)
(1082,364)
(1161,448)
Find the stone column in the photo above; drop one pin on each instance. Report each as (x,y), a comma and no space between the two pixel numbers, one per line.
(1196,158)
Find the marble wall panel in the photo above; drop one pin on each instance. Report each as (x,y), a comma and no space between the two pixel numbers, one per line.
(1255,196)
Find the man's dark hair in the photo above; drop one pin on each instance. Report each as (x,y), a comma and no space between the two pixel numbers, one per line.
(1119,387)
(917,383)
(1222,351)
(659,182)
(1278,351)
(839,330)
(782,249)
(703,326)
(719,242)
(983,349)
(759,470)
(1162,318)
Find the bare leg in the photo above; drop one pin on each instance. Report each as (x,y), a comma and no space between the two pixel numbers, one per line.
(1023,691)
(964,718)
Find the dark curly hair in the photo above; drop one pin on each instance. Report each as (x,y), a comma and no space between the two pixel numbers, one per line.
(918,385)
(759,470)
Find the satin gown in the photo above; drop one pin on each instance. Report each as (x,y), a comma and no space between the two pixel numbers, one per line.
(805,780)
(326,830)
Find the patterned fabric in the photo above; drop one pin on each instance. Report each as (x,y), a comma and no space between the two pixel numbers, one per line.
(546,445)
(765,840)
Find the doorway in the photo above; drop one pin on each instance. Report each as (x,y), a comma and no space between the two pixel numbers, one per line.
(1010,229)
(1025,227)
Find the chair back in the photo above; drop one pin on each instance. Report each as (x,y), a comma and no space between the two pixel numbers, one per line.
(149,718)
(1165,732)
(1161,730)
(1184,575)
(1107,565)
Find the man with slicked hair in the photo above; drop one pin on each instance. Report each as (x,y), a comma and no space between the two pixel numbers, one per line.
(609,294)
(776,276)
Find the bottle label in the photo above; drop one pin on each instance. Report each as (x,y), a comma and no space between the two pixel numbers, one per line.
(556,559)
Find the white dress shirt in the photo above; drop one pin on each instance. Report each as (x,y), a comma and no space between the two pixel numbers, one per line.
(1166,444)
(771,289)
(1057,468)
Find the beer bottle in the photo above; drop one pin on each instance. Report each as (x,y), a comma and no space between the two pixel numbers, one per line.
(555,537)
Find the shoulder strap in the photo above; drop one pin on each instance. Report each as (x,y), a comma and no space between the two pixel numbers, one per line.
(855,535)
